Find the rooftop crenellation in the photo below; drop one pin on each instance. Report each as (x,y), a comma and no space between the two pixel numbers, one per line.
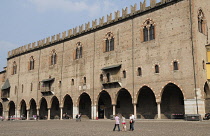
(87,26)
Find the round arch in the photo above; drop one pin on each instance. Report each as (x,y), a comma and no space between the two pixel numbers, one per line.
(172,101)
(207,97)
(23,110)
(104,105)
(55,108)
(146,103)
(67,107)
(124,103)
(85,105)
(11,107)
(43,111)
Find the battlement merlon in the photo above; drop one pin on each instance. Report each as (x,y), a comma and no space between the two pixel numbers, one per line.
(133,8)
(78,30)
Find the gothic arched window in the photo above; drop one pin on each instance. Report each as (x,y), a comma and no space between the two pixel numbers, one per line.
(157,69)
(31,63)
(108,77)
(101,78)
(109,42)
(202,22)
(78,51)
(148,30)
(53,58)
(124,74)
(139,71)
(175,64)
(14,68)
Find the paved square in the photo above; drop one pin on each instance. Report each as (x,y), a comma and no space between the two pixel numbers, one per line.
(103,128)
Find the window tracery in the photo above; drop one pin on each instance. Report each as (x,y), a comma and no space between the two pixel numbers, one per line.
(148,30)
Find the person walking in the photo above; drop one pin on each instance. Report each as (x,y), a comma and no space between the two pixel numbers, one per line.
(123,123)
(131,122)
(117,122)
(77,118)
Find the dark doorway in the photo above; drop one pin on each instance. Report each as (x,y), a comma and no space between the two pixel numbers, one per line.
(124,103)
(172,101)
(104,106)
(146,104)
(55,109)
(68,107)
(43,112)
(11,109)
(23,111)
(1,109)
(207,98)
(32,110)
(85,105)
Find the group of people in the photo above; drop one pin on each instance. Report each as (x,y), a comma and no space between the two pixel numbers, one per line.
(117,122)
(66,116)
(78,117)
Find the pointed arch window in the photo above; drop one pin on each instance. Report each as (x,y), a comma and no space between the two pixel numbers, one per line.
(22,88)
(157,69)
(39,86)
(145,30)
(72,81)
(84,80)
(203,64)
(175,65)
(15,90)
(148,29)
(31,63)
(124,74)
(108,77)
(78,51)
(14,68)
(139,71)
(101,78)
(53,58)
(31,87)
(202,28)
(109,42)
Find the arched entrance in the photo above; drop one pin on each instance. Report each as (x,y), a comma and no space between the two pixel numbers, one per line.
(43,111)
(172,101)
(124,103)
(85,105)
(68,107)
(1,109)
(146,104)
(11,109)
(104,105)
(32,110)
(55,109)
(23,110)
(207,98)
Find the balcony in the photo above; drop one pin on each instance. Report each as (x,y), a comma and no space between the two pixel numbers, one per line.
(115,82)
(5,96)
(46,91)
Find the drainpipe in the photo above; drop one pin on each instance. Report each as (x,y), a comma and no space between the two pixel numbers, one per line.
(194,72)
(61,83)
(134,105)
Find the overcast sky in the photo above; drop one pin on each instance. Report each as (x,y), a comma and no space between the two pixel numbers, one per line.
(26,21)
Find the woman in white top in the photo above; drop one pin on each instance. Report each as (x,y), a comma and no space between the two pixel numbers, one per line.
(123,123)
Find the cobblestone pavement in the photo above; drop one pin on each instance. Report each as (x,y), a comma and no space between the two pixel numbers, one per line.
(103,128)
